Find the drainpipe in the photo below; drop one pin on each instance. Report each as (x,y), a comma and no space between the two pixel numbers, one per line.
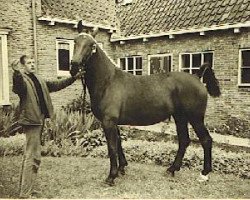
(34,31)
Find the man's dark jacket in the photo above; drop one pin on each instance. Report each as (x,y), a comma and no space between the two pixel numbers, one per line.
(30,109)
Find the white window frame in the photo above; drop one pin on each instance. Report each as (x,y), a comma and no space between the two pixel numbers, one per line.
(239,68)
(71,49)
(126,64)
(5,98)
(159,55)
(191,60)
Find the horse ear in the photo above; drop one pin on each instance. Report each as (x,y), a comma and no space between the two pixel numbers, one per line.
(80,26)
(94,48)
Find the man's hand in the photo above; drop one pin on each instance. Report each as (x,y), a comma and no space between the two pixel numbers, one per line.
(15,65)
(78,75)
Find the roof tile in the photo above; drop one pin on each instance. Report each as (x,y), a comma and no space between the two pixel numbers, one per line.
(95,12)
(144,16)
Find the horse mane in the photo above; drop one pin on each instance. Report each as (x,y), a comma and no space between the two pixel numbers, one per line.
(212,84)
(105,53)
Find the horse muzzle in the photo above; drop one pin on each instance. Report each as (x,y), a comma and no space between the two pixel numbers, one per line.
(75,68)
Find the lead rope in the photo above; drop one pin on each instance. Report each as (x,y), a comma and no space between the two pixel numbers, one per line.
(84,99)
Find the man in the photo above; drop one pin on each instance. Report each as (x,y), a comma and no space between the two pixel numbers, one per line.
(35,106)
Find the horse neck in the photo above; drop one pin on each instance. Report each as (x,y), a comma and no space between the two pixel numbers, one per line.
(100,70)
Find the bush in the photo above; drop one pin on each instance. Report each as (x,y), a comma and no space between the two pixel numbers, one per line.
(65,125)
(71,136)
(8,121)
(78,105)
(163,153)
(234,126)
(12,146)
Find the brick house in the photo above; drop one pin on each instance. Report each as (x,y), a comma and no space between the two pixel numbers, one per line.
(179,35)
(46,29)
(151,36)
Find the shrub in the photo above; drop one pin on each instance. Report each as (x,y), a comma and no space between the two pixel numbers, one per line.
(163,153)
(12,146)
(71,136)
(234,126)
(8,121)
(77,105)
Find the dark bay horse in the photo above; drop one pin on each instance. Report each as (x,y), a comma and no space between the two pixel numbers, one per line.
(120,98)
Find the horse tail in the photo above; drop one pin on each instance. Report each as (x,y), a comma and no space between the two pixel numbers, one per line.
(212,84)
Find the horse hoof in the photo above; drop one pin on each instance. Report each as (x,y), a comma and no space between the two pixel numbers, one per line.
(121,171)
(203,178)
(110,181)
(170,171)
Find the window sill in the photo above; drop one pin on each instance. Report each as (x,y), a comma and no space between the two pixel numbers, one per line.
(2,104)
(61,74)
(244,85)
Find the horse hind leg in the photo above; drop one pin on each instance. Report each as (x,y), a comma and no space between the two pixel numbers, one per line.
(111,135)
(121,157)
(206,142)
(183,140)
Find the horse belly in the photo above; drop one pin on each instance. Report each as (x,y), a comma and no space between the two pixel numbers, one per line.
(141,114)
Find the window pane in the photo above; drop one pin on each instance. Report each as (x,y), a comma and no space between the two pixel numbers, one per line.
(154,65)
(167,63)
(245,75)
(64,62)
(196,60)
(195,71)
(123,63)
(246,58)
(138,62)
(131,72)
(185,61)
(130,63)
(208,58)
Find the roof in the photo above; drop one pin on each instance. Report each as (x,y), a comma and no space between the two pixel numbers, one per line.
(90,11)
(145,17)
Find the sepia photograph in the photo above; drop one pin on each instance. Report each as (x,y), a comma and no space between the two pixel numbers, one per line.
(125,99)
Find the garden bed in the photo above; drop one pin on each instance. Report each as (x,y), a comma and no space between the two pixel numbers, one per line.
(158,152)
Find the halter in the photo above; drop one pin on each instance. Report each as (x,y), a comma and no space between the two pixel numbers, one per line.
(83,69)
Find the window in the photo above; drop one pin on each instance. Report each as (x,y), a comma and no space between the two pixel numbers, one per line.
(191,62)
(4,73)
(131,64)
(159,63)
(64,55)
(244,68)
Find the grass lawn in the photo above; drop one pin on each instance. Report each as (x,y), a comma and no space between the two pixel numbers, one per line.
(76,177)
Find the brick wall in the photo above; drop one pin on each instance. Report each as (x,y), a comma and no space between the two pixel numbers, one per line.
(235,100)
(47,60)
(17,15)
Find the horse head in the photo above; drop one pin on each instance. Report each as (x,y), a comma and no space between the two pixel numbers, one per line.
(85,46)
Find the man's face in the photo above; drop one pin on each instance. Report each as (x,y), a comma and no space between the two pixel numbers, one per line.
(29,65)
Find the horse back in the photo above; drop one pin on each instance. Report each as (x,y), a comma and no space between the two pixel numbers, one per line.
(144,100)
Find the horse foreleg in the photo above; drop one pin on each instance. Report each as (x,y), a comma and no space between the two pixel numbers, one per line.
(206,143)
(111,135)
(122,159)
(184,141)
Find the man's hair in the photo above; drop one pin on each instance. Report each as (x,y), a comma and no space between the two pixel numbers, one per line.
(22,59)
